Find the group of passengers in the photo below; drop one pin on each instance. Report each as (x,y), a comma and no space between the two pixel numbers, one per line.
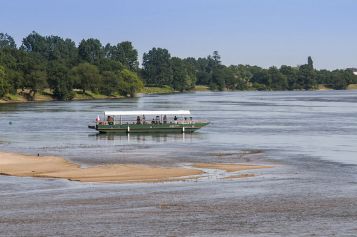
(156,120)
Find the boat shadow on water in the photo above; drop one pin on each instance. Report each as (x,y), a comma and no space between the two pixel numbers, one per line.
(142,137)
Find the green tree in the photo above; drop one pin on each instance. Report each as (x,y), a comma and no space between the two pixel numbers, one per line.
(217,71)
(339,80)
(237,77)
(91,51)
(109,83)
(291,74)
(157,68)
(203,71)
(86,77)
(277,79)
(13,61)
(216,58)
(107,64)
(183,76)
(310,63)
(59,81)
(306,78)
(261,79)
(34,42)
(51,48)
(4,86)
(218,78)
(63,50)
(35,76)
(125,53)
(6,41)
(129,83)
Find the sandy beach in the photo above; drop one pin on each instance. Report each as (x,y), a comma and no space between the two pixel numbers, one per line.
(56,167)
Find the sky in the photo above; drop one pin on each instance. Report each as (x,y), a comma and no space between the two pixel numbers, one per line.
(256,32)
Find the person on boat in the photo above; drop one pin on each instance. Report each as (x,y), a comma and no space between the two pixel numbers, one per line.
(153,121)
(165,119)
(143,119)
(138,120)
(110,120)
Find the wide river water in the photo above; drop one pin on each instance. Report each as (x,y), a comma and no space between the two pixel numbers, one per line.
(309,137)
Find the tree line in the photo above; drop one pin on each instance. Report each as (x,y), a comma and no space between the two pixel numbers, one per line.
(58,64)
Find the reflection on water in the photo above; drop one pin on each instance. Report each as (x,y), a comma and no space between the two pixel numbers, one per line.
(143,138)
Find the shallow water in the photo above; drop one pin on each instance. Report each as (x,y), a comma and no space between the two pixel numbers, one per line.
(310,137)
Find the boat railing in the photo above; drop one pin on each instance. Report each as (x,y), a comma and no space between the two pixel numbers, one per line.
(132,122)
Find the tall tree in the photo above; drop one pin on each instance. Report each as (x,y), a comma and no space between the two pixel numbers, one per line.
(157,68)
(129,83)
(310,63)
(237,77)
(63,50)
(278,80)
(90,51)
(183,77)
(35,74)
(291,74)
(110,83)
(35,42)
(306,78)
(216,57)
(59,81)
(86,77)
(126,54)
(217,71)
(4,86)
(6,41)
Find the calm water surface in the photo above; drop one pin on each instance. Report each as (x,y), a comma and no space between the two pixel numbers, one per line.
(310,137)
(319,124)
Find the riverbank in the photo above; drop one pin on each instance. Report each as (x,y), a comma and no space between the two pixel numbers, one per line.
(78,95)
(13,164)
(47,95)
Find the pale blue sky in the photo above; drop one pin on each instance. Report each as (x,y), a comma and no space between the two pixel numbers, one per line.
(256,32)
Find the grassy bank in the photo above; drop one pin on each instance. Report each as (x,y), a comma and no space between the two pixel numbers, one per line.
(323,87)
(47,95)
(352,87)
(201,88)
(157,90)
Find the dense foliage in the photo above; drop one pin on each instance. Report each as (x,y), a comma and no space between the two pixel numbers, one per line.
(58,64)
(159,68)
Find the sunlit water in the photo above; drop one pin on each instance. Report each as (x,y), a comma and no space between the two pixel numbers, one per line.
(319,124)
(309,137)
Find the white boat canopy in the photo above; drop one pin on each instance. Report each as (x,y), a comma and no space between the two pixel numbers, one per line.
(146,112)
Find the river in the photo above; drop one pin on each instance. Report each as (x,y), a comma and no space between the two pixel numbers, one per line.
(309,137)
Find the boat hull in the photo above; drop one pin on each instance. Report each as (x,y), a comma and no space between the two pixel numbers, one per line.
(149,128)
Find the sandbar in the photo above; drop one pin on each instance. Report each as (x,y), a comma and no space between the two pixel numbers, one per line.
(57,167)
